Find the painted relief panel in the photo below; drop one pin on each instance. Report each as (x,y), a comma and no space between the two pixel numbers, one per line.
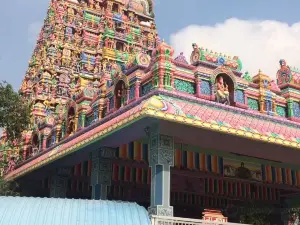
(242,169)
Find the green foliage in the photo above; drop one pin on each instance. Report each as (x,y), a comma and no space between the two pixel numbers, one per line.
(8,188)
(256,214)
(14,112)
(261,214)
(292,213)
(255,217)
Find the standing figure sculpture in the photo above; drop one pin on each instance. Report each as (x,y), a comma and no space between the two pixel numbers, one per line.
(222,92)
(121,96)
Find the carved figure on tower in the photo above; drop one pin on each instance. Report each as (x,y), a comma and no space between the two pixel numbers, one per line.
(284,73)
(122,95)
(71,126)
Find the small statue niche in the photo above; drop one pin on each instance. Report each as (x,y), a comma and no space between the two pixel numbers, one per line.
(11,164)
(224,89)
(243,172)
(115,8)
(35,145)
(71,121)
(120,94)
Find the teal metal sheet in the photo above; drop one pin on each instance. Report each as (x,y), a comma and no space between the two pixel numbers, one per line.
(49,211)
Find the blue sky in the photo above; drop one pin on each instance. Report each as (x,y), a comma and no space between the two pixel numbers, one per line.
(262,32)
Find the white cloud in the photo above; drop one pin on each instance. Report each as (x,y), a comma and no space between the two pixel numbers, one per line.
(259,44)
(34,31)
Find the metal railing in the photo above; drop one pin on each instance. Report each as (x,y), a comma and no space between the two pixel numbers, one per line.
(164,220)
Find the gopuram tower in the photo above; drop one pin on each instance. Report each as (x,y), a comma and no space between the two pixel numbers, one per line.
(83,44)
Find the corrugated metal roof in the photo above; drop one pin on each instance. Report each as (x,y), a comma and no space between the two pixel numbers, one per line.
(44,211)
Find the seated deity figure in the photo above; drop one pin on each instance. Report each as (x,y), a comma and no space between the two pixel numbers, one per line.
(222,93)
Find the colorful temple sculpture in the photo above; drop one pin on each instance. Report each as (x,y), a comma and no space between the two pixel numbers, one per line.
(116,116)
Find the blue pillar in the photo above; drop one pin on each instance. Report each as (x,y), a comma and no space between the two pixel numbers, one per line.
(101,172)
(59,183)
(161,160)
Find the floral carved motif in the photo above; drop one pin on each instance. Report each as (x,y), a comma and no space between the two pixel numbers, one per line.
(161,150)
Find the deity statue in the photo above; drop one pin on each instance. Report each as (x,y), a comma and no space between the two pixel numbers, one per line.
(71,124)
(96,70)
(1,171)
(35,150)
(47,63)
(38,89)
(126,48)
(1,157)
(97,5)
(70,13)
(24,85)
(222,92)
(66,58)
(60,11)
(52,51)
(284,74)
(91,4)
(243,172)
(110,24)
(53,91)
(11,164)
(122,95)
(46,88)
(104,65)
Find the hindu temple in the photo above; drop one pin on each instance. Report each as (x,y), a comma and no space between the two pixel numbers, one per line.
(117,116)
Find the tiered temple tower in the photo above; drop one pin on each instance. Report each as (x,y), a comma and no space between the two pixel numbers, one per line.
(81,47)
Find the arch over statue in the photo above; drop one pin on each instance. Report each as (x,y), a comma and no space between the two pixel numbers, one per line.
(224,85)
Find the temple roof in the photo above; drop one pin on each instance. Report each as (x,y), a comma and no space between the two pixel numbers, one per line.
(36,211)
(197,113)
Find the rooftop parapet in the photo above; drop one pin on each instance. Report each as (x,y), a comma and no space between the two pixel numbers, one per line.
(214,58)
